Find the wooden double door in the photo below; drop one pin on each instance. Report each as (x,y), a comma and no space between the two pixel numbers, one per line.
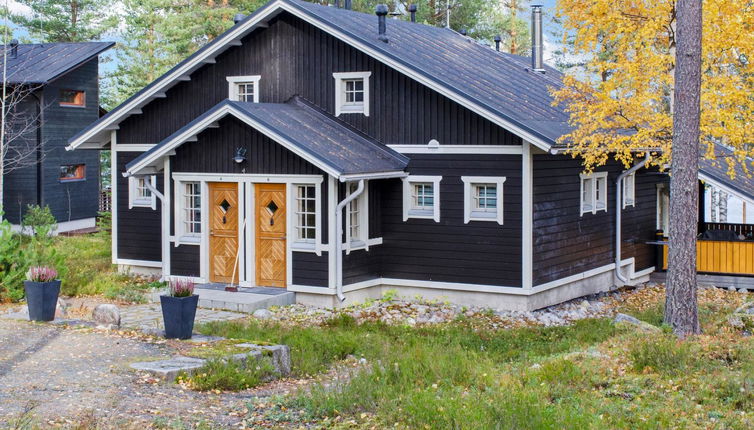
(270,233)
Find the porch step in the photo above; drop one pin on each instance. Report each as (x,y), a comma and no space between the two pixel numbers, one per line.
(246,300)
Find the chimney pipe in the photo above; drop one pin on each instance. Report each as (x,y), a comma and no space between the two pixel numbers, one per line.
(238,18)
(347,4)
(381,11)
(412,9)
(463,32)
(497,39)
(536,39)
(14,48)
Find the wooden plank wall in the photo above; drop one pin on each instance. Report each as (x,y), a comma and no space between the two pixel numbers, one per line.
(712,256)
(139,229)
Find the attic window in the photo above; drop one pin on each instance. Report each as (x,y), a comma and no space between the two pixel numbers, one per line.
(72,98)
(244,88)
(352,93)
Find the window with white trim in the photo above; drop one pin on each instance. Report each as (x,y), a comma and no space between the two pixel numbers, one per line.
(629,190)
(139,195)
(357,220)
(483,198)
(352,92)
(188,210)
(306,213)
(421,197)
(243,88)
(593,192)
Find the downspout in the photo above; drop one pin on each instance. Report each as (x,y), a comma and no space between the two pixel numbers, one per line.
(618,216)
(339,239)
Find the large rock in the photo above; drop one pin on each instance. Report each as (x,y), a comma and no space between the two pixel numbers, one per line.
(106,315)
(262,314)
(641,325)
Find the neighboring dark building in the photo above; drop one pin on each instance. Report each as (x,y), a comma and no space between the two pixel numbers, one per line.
(302,149)
(59,90)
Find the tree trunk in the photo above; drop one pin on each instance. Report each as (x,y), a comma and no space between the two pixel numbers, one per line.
(723,202)
(713,204)
(681,311)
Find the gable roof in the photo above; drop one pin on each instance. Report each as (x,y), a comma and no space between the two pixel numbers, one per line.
(40,63)
(715,173)
(497,86)
(307,132)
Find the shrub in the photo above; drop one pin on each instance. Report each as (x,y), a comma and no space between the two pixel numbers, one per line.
(181,288)
(664,354)
(12,264)
(41,274)
(39,220)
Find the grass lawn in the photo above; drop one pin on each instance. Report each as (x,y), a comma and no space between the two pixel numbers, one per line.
(589,375)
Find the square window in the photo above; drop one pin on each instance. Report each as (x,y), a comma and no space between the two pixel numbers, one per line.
(593,192)
(75,98)
(483,198)
(243,88)
(139,195)
(72,172)
(421,197)
(352,93)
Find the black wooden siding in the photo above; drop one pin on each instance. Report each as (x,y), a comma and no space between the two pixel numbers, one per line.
(310,269)
(566,243)
(294,58)
(139,229)
(185,260)
(21,188)
(70,200)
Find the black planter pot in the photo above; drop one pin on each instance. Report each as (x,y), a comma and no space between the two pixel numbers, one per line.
(42,299)
(178,315)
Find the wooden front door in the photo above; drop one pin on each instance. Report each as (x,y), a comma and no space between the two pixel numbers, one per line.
(223,232)
(270,235)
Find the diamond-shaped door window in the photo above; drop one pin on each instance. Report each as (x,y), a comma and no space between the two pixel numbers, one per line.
(272,207)
(225,206)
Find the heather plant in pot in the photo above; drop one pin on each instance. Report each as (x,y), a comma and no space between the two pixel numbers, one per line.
(179,309)
(42,290)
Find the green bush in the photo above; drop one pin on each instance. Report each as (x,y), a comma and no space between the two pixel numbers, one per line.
(663,354)
(13,266)
(229,375)
(39,220)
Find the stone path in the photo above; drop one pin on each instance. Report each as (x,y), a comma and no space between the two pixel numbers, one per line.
(149,317)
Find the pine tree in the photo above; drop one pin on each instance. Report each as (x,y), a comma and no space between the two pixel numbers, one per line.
(67,20)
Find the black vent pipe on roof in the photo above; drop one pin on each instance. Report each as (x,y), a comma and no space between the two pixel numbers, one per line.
(497,39)
(347,4)
(381,11)
(238,18)
(463,32)
(14,48)
(412,9)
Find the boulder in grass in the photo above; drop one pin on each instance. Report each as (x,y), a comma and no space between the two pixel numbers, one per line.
(641,325)
(106,315)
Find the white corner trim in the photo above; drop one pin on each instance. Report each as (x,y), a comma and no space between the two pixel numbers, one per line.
(134,201)
(527,218)
(114,177)
(468,212)
(341,107)
(457,149)
(408,211)
(234,81)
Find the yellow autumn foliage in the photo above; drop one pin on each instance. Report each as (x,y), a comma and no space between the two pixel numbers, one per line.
(620,101)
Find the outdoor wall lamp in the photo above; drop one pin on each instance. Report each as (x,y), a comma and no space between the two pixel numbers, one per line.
(240,155)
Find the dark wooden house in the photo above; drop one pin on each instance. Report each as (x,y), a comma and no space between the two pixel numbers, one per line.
(55,94)
(307,149)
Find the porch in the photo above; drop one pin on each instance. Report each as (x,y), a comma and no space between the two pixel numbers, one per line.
(246,299)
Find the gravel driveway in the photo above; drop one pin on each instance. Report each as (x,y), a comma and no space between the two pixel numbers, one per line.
(68,375)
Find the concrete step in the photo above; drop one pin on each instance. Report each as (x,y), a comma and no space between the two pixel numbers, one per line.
(246,300)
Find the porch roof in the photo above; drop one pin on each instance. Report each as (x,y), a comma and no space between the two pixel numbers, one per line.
(715,172)
(318,138)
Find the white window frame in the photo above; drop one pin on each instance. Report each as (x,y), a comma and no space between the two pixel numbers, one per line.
(591,204)
(341,107)
(629,190)
(137,201)
(235,81)
(183,236)
(363,203)
(408,191)
(297,242)
(469,182)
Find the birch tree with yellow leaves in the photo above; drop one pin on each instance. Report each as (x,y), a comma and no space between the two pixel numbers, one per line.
(622,103)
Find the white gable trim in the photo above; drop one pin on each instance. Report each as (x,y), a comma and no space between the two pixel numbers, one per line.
(205,123)
(260,21)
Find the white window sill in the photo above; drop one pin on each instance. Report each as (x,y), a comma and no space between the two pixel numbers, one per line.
(628,203)
(352,109)
(304,247)
(142,203)
(421,214)
(189,240)
(360,244)
(483,216)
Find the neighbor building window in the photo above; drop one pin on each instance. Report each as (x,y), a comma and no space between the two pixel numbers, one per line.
(352,93)
(306,213)
(72,172)
(629,190)
(483,198)
(72,98)
(139,195)
(357,217)
(593,192)
(244,88)
(421,197)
